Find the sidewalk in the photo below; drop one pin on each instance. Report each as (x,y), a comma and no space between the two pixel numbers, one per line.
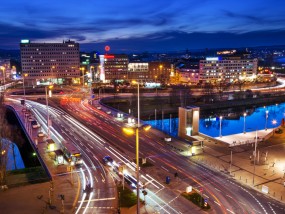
(269,165)
(36,198)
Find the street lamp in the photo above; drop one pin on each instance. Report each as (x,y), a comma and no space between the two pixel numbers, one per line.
(274,122)
(221,117)
(266,118)
(48,122)
(155,84)
(24,75)
(244,115)
(131,131)
(255,145)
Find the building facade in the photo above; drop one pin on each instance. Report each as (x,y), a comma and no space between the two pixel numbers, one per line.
(228,69)
(138,71)
(50,62)
(113,67)
(160,71)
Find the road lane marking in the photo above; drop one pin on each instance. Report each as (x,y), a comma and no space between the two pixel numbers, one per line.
(164,168)
(217,203)
(217,189)
(230,211)
(229,196)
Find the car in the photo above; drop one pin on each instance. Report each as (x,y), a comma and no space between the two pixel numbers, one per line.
(31,119)
(41,134)
(108,112)
(99,107)
(107,160)
(35,124)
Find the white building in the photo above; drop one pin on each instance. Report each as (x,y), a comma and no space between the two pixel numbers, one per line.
(229,69)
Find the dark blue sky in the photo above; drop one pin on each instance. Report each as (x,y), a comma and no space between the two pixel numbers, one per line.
(148,25)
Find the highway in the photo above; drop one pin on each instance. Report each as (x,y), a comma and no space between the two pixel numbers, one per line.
(98,134)
(225,195)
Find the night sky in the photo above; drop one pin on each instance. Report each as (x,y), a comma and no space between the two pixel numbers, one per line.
(148,25)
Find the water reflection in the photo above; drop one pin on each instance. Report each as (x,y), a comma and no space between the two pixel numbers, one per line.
(232,123)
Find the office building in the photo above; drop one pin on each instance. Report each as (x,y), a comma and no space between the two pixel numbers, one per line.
(229,69)
(160,71)
(138,71)
(113,67)
(46,63)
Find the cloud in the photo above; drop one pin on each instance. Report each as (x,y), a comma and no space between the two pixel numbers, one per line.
(178,40)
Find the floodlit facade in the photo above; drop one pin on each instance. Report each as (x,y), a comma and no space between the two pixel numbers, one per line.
(50,62)
(230,69)
(113,67)
(138,71)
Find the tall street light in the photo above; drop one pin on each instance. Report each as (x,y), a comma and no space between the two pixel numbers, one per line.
(221,117)
(244,115)
(266,118)
(255,145)
(24,75)
(274,122)
(48,122)
(131,131)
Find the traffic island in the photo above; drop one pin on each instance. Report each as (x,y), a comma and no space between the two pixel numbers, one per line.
(197,199)
(127,200)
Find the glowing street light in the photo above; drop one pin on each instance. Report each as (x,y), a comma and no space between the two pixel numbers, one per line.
(244,115)
(274,122)
(266,118)
(221,118)
(24,75)
(48,122)
(131,131)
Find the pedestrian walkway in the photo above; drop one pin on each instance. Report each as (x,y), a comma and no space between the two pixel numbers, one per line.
(43,197)
(246,138)
(269,164)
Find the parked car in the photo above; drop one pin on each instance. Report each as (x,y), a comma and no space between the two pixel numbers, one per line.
(35,124)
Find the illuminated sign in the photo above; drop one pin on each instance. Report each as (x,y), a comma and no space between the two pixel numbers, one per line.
(25,41)
(109,56)
(212,58)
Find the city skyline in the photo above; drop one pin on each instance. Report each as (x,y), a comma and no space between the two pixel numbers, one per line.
(129,26)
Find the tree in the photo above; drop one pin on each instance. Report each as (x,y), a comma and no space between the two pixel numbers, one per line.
(5,134)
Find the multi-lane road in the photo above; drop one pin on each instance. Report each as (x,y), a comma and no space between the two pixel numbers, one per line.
(98,134)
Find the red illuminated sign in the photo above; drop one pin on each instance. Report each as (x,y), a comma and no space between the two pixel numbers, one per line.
(109,56)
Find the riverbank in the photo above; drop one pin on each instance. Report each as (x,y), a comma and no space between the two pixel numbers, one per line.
(150,104)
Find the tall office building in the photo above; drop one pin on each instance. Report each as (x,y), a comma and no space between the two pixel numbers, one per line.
(228,69)
(113,67)
(50,62)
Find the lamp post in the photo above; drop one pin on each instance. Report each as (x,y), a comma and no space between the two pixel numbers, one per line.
(254,158)
(131,131)
(221,118)
(266,118)
(48,122)
(274,122)
(137,151)
(155,84)
(244,115)
(24,75)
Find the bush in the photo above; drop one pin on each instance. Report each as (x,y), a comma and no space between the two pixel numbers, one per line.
(126,197)
(196,199)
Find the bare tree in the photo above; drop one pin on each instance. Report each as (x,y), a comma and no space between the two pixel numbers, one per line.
(5,133)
